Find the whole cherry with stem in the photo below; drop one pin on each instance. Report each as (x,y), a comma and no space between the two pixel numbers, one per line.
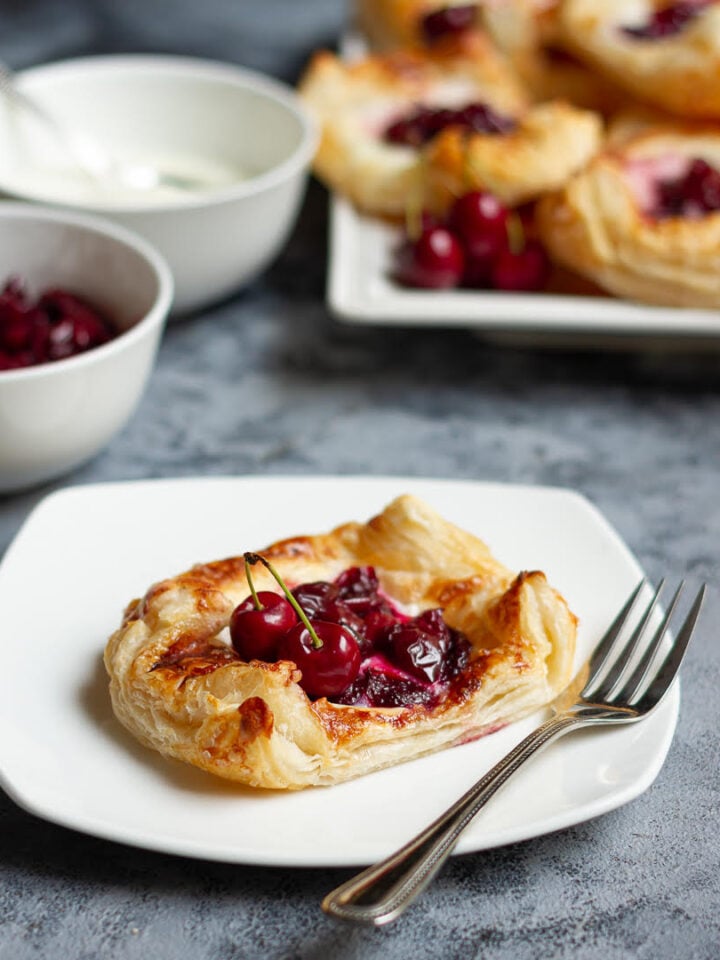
(327,654)
(523,265)
(258,623)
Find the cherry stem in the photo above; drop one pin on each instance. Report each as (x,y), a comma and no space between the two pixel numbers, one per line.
(248,577)
(413,217)
(515,233)
(253,558)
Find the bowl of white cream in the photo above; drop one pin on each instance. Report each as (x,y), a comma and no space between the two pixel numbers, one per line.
(233,148)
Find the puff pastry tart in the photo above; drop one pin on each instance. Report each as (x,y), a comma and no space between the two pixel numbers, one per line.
(666,52)
(643,219)
(526,31)
(416,128)
(517,27)
(450,646)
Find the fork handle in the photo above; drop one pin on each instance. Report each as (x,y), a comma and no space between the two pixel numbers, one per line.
(382,892)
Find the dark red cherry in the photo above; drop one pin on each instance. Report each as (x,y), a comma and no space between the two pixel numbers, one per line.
(358,588)
(694,194)
(668,20)
(702,185)
(17,330)
(448,20)
(327,669)
(478,273)
(321,600)
(423,123)
(418,651)
(58,326)
(521,271)
(479,220)
(434,261)
(311,596)
(255,633)
(378,624)
(376,688)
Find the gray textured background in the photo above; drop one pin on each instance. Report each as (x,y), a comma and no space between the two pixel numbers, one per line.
(269,383)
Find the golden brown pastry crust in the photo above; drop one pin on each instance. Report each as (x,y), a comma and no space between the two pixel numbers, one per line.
(551,142)
(517,27)
(355,102)
(179,688)
(525,31)
(597,226)
(679,73)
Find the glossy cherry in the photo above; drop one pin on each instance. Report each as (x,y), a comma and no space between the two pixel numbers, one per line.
(448,20)
(479,220)
(434,261)
(423,123)
(322,601)
(59,325)
(358,588)
(326,653)
(523,270)
(255,630)
(695,194)
(421,646)
(327,667)
(668,20)
(378,688)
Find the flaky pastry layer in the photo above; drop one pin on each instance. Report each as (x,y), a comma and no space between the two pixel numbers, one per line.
(354,104)
(597,226)
(180,689)
(679,73)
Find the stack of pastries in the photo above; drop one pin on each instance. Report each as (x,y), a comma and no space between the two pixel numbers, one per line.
(598,119)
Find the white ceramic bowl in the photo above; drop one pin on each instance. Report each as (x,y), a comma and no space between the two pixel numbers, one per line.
(55,416)
(250,134)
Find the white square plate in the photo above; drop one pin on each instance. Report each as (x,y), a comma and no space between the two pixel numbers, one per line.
(360,292)
(86,551)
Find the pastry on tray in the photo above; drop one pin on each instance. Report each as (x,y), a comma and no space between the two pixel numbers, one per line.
(643,219)
(544,147)
(525,31)
(517,27)
(666,53)
(415,128)
(425,641)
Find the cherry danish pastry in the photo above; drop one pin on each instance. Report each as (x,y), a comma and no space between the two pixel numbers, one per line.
(643,219)
(418,128)
(326,657)
(665,52)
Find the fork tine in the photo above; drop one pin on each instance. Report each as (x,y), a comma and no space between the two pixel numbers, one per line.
(628,690)
(667,672)
(624,655)
(601,655)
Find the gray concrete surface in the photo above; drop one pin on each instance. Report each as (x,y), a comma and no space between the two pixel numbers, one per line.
(269,383)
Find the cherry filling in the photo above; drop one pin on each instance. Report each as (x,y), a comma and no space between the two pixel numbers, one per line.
(448,21)
(424,123)
(371,654)
(668,20)
(694,194)
(52,327)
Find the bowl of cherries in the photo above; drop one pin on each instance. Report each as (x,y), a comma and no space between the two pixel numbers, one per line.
(352,644)
(480,244)
(83,304)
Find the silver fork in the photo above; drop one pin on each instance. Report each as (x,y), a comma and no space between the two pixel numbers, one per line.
(624,681)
